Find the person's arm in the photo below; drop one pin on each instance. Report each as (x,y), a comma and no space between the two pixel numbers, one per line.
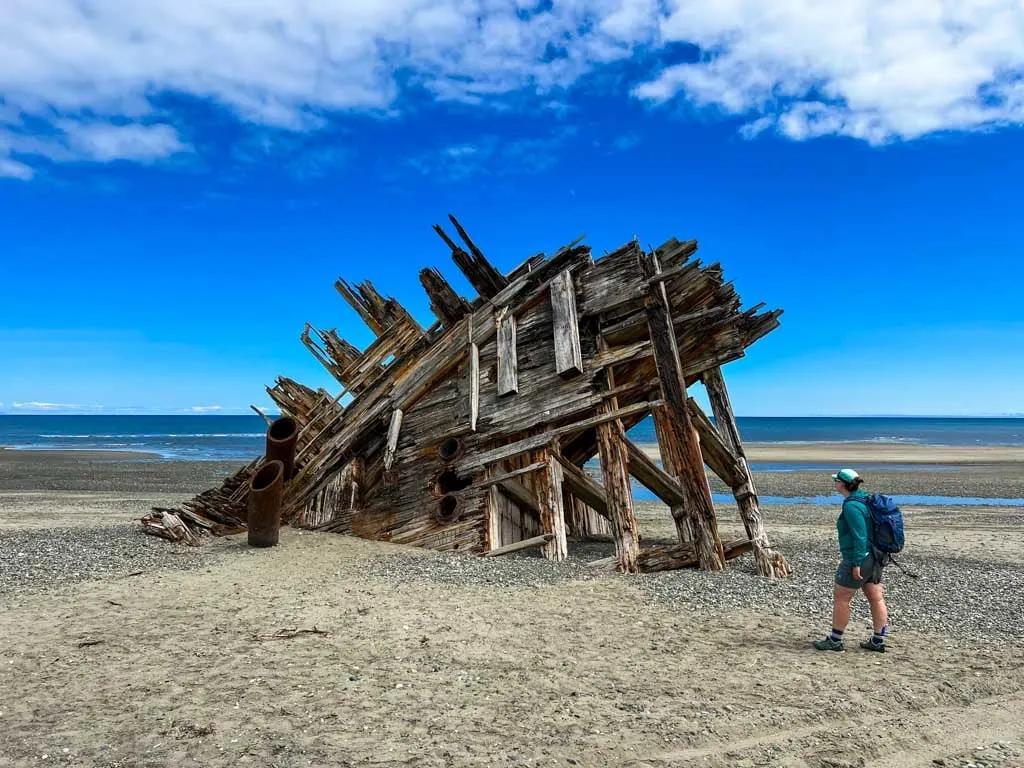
(857,521)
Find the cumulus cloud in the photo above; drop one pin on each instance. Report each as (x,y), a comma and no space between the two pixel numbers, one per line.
(870,69)
(205,408)
(86,81)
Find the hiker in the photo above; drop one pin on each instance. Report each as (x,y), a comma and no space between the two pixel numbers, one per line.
(859,569)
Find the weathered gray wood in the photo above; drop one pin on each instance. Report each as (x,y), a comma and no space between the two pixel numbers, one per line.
(614,471)
(717,455)
(552,509)
(508,362)
(483,458)
(672,558)
(519,546)
(474,385)
(445,303)
(677,437)
(725,420)
(478,266)
(393,430)
(498,478)
(582,487)
(653,477)
(769,562)
(568,353)
(520,494)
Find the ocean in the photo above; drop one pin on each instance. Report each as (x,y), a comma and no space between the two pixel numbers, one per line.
(241,438)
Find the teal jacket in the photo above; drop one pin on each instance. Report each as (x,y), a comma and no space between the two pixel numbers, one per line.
(854,529)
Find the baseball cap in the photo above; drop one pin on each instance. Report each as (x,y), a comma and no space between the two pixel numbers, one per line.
(846,475)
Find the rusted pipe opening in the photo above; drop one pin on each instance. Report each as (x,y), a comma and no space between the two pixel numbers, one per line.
(266,476)
(282,437)
(448,510)
(450,448)
(449,482)
(283,429)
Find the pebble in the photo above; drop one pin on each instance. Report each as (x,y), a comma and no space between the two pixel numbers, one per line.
(35,559)
(959,597)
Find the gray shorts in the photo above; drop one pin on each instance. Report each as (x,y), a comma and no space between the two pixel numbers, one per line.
(870,570)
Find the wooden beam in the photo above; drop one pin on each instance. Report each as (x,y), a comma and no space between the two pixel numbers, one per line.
(445,303)
(673,557)
(614,470)
(536,541)
(514,473)
(520,494)
(568,354)
(552,508)
(680,447)
(770,563)
(653,477)
(725,420)
(483,267)
(508,363)
(582,487)
(481,460)
(392,446)
(717,455)
(474,385)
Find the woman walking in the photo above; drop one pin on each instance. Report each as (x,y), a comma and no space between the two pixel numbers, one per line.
(858,569)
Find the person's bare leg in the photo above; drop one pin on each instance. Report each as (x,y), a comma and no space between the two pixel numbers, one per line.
(875,593)
(842,600)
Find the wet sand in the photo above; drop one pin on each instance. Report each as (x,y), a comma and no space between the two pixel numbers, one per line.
(432,660)
(852,454)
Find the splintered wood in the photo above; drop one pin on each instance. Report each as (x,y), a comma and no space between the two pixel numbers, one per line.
(472,434)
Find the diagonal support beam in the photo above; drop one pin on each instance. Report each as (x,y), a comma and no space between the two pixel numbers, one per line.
(677,438)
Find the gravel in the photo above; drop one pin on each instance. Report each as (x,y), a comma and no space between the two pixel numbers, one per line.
(959,597)
(32,560)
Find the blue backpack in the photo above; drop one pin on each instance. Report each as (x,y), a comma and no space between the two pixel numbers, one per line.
(887,523)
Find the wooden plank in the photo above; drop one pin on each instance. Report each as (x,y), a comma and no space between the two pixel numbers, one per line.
(582,487)
(508,361)
(620,497)
(552,509)
(482,459)
(481,266)
(474,386)
(673,557)
(445,303)
(513,473)
(568,353)
(676,435)
(653,477)
(520,494)
(393,430)
(536,541)
(614,471)
(717,455)
(770,563)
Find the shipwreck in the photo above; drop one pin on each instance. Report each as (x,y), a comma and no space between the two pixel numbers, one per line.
(477,433)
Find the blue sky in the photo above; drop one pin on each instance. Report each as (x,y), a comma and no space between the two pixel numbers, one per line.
(180,187)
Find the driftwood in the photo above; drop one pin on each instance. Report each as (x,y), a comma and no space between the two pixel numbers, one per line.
(471,435)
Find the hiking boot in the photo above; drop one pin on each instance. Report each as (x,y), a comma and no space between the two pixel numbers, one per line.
(828,644)
(871,645)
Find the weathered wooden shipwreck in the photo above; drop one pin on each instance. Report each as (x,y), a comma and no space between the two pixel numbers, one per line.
(473,434)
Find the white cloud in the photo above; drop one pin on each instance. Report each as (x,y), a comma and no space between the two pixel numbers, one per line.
(870,69)
(85,81)
(205,408)
(37,406)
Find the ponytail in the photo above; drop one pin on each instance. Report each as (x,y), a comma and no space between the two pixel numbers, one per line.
(853,485)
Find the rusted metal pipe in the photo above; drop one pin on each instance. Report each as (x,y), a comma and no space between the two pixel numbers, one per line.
(282,435)
(266,488)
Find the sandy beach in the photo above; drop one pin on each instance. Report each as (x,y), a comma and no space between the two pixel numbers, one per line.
(117,649)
